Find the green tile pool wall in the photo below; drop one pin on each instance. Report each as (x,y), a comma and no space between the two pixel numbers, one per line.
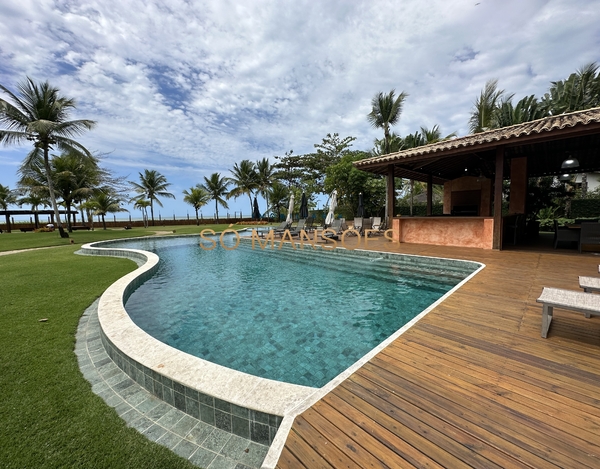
(253,425)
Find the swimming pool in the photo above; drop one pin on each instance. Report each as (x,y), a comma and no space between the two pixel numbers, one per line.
(298,316)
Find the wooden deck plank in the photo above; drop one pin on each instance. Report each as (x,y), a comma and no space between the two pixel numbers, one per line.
(472,384)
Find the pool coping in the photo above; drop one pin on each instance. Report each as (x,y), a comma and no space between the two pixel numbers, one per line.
(154,359)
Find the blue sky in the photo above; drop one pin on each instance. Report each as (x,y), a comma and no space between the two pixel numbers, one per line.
(190,88)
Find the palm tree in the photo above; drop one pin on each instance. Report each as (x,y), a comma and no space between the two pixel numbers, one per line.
(152,185)
(265,177)
(244,180)
(578,92)
(105,202)
(34,198)
(484,108)
(142,204)
(197,197)
(526,110)
(74,176)
(216,186)
(278,196)
(7,197)
(40,114)
(386,110)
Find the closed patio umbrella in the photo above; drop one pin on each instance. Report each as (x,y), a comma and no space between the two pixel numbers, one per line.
(332,207)
(290,209)
(255,210)
(303,207)
(360,212)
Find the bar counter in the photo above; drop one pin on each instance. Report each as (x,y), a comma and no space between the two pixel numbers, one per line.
(475,232)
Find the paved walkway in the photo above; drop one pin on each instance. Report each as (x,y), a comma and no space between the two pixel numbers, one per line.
(202,444)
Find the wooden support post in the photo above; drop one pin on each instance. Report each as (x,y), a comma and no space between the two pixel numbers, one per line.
(497,240)
(429,195)
(390,196)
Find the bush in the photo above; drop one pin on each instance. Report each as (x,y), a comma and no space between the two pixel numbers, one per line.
(585,208)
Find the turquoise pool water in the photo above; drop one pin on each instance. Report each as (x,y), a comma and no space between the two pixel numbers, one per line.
(299,316)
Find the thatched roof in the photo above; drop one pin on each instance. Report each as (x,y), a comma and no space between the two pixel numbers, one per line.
(546,143)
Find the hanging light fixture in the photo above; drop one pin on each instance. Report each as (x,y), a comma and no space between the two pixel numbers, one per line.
(564,177)
(570,163)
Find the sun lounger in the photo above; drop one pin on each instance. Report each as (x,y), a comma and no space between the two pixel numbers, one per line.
(589,284)
(586,303)
(335,226)
(296,231)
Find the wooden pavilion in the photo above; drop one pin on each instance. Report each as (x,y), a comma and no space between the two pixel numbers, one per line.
(472,169)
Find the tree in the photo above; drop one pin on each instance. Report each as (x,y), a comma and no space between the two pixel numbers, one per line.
(105,202)
(578,92)
(526,110)
(152,185)
(197,197)
(216,186)
(74,176)
(350,182)
(484,108)
(35,199)
(265,178)
(386,110)
(142,205)
(40,114)
(7,197)
(244,180)
(278,196)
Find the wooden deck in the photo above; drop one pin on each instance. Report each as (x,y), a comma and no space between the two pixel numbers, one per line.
(472,384)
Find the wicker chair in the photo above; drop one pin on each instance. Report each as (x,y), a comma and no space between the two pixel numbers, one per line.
(590,234)
(565,235)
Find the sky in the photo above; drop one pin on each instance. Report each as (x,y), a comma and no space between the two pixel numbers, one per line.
(189,88)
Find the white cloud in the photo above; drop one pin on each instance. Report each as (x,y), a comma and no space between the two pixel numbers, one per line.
(189,88)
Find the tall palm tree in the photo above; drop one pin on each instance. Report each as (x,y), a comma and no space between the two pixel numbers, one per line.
(484,108)
(197,197)
(244,180)
(105,202)
(216,186)
(142,205)
(152,185)
(265,177)
(386,110)
(40,114)
(7,197)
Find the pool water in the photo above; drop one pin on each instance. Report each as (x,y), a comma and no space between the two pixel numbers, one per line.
(299,316)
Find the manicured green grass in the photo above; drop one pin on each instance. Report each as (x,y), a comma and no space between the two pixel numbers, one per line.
(50,417)
(19,240)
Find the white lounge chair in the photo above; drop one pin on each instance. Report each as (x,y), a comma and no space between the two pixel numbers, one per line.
(589,284)
(586,303)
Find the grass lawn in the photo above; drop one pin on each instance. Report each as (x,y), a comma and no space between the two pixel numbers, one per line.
(49,416)
(19,240)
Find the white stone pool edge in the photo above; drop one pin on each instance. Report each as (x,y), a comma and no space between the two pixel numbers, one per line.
(252,392)
(236,387)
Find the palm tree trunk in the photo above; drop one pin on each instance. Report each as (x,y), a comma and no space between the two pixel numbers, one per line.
(69,225)
(197,221)
(251,207)
(152,211)
(61,230)
(103,221)
(217,210)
